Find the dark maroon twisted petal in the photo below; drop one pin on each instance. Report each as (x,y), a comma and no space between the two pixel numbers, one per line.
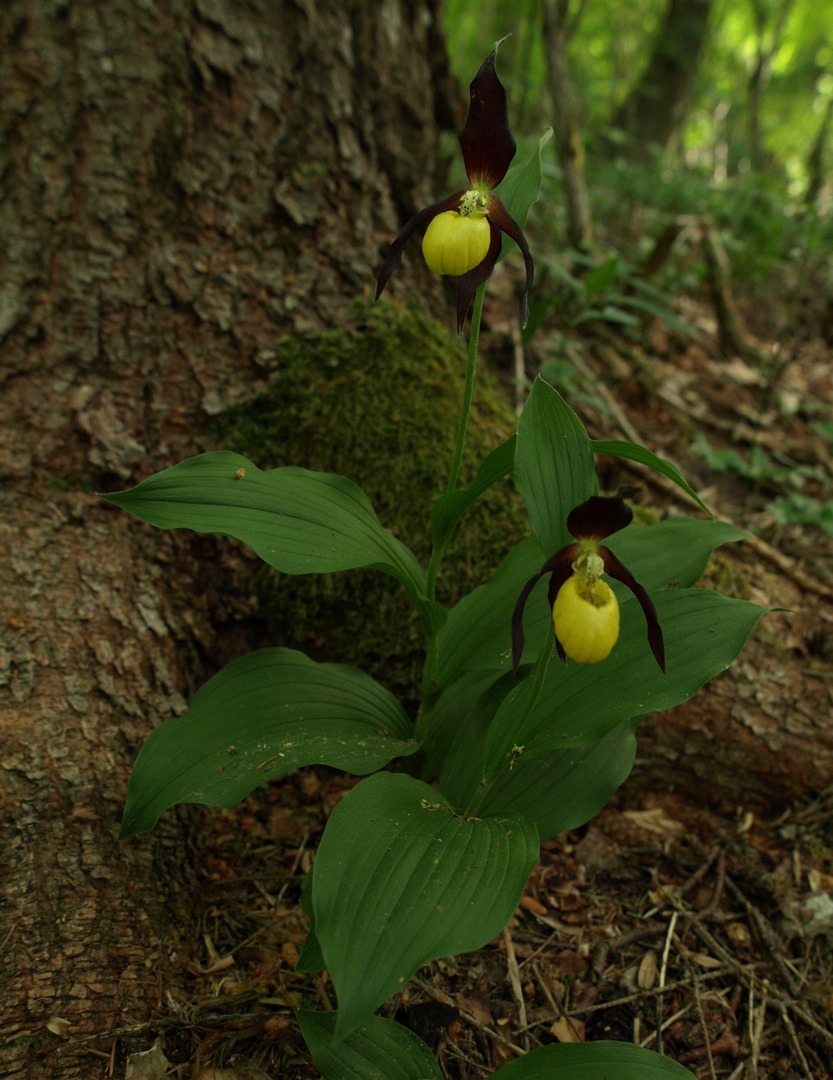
(506,223)
(467,283)
(618,570)
(394,257)
(561,567)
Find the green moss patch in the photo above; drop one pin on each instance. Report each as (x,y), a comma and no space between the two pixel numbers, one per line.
(378,400)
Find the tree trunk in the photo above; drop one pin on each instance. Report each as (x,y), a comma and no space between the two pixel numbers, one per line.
(183,183)
(655,108)
(568,146)
(815,159)
(762,72)
(759,735)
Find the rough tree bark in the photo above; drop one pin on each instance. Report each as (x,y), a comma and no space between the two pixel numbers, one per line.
(656,107)
(183,182)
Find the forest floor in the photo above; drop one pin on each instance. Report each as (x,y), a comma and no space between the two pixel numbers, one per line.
(699,927)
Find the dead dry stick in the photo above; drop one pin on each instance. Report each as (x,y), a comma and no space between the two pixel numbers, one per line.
(733,335)
(811,1021)
(756,1029)
(663,968)
(295,864)
(712,906)
(515,980)
(796,1045)
(698,1002)
(678,1015)
(723,1044)
(776,945)
(700,872)
(610,401)
(677,984)
(557,1007)
(812,585)
(539,950)
(747,976)
(454,1051)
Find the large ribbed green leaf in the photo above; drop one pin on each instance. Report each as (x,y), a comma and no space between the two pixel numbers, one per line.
(593,1061)
(298,521)
(261,716)
(449,508)
(564,789)
(379,1049)
(477,635)
(554,466)
(400,879)
(581,703)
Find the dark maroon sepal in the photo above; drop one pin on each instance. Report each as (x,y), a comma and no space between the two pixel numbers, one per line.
(486,141)
(600,516)
(467,284)
(560,566)
(506,223)
(420,220)
(618,570)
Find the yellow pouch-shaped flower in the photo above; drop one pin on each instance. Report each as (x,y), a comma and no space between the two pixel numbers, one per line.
(586,622)
(454,244)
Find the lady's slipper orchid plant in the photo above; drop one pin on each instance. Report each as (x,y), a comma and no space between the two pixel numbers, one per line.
(463,235)
(585,612)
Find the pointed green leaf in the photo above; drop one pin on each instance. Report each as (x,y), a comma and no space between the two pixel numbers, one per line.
(260,717)
(450,508)
(443,729)
(298,521)
(400,880)
(477,634)
(462,769)
(581,703)
(563,789)
(592,1061)
(554,468)
(379,1049)
(311,958)
(521,187)
(559,790)
(635,452)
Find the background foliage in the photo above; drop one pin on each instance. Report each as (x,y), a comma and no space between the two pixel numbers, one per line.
(752,149)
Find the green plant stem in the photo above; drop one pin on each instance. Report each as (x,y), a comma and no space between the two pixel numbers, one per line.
(541,667)
(431,654)
(471,368)
(474,338)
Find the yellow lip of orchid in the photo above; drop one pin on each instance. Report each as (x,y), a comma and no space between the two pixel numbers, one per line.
(455,243)
(586,621)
